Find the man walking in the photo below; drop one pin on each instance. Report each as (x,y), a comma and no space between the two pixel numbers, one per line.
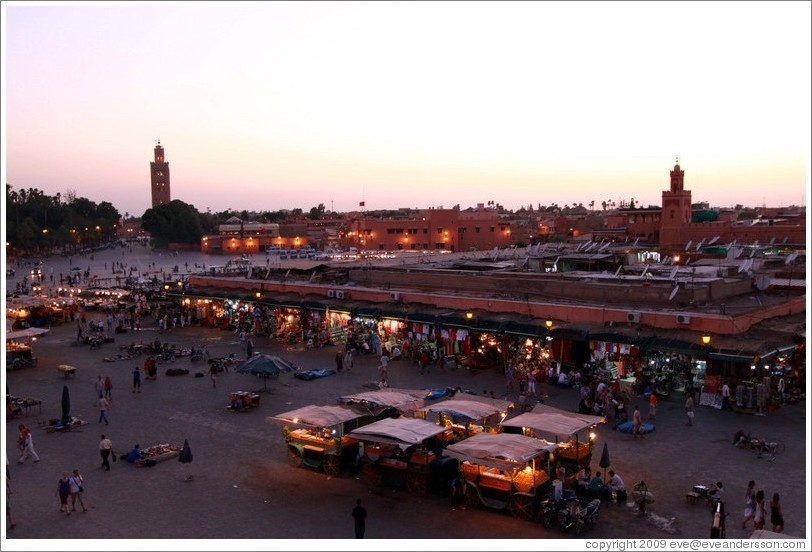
(105,449)
(137,379)
(359,513)
(104,404)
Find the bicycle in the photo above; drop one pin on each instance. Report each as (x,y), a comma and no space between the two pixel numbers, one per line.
(774,448)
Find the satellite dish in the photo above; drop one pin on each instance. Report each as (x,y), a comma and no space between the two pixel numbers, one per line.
(688,245)
(604,246)
(739,251)
(644,271)
(673,293)
(742,266)
(618,270)
(673,273)
(699,245)
(713,240)
(772,240)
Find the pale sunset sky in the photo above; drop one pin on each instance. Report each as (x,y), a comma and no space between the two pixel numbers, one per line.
(267,106)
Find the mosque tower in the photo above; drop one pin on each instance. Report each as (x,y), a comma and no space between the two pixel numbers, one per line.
(159,177)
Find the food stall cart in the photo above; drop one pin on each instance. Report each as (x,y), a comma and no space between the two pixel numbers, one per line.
(562,426)
(503,471)
(467,415)
(18,347)
(398,452)
(157,453)
(320,439)
(389,400)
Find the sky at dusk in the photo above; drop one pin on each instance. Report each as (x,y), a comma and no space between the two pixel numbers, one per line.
(268,106)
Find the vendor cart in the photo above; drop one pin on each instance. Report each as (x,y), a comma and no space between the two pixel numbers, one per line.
(320,440)
(502,471)
(398,452)
(574,449)
(466,416)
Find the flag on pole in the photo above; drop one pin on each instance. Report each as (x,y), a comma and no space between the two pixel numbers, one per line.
(362,203)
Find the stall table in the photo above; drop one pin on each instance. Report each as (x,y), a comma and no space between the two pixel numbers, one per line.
(67,370)
(157,453)
(240,401)
(22,405)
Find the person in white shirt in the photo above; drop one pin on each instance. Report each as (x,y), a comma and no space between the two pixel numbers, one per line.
(725,396)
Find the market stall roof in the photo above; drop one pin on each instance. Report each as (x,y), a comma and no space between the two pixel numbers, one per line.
(553,422)
(503,451)
(26,332)
(404,432)
(469,408)
(317,416)
(376,401)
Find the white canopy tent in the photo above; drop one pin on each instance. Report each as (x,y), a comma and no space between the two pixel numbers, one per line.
(504,451)
(317,416)
(26,333)
(374,402)
(470,409)
(554,423)
(403,432)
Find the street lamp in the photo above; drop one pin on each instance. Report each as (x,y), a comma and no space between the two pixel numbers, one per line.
(706,339)
(548,323)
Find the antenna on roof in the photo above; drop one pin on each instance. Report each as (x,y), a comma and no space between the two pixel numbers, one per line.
(673,293)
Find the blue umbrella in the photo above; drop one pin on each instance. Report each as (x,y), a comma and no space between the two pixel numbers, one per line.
(265,366)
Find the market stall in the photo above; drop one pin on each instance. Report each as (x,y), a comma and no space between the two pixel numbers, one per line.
(404,401)
(18,347)
(562,426)
(467,415)
(502,471)
(320,438)
(398,452)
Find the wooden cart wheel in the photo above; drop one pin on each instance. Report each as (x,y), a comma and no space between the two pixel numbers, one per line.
(294,457)
(371,475)
(471,498)
(521,507)
(417,483)
(331,465)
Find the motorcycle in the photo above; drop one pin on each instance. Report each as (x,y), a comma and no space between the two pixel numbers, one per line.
(199,353)
(548,511)
(587,516)
(568,516)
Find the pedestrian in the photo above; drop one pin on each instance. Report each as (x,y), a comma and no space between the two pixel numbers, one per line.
(339,361)
(106,450)
(249,348)
(652,407)
(509,375)
(760,511)
(108,388)
(104,404)
(776,515)
(725,396)
(99,387)
(689,409)
(637,420)
(749,503)
(359,514)
(63,492)
(383,367)
(213,374)
(531,382)
(25,442)
(137,379)
(348,361)
(457,493)
(77,490)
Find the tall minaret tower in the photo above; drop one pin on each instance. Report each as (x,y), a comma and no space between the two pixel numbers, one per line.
(676,214)
(159,177)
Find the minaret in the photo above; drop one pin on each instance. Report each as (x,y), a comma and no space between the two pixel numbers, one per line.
(676,213)
(159,177)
